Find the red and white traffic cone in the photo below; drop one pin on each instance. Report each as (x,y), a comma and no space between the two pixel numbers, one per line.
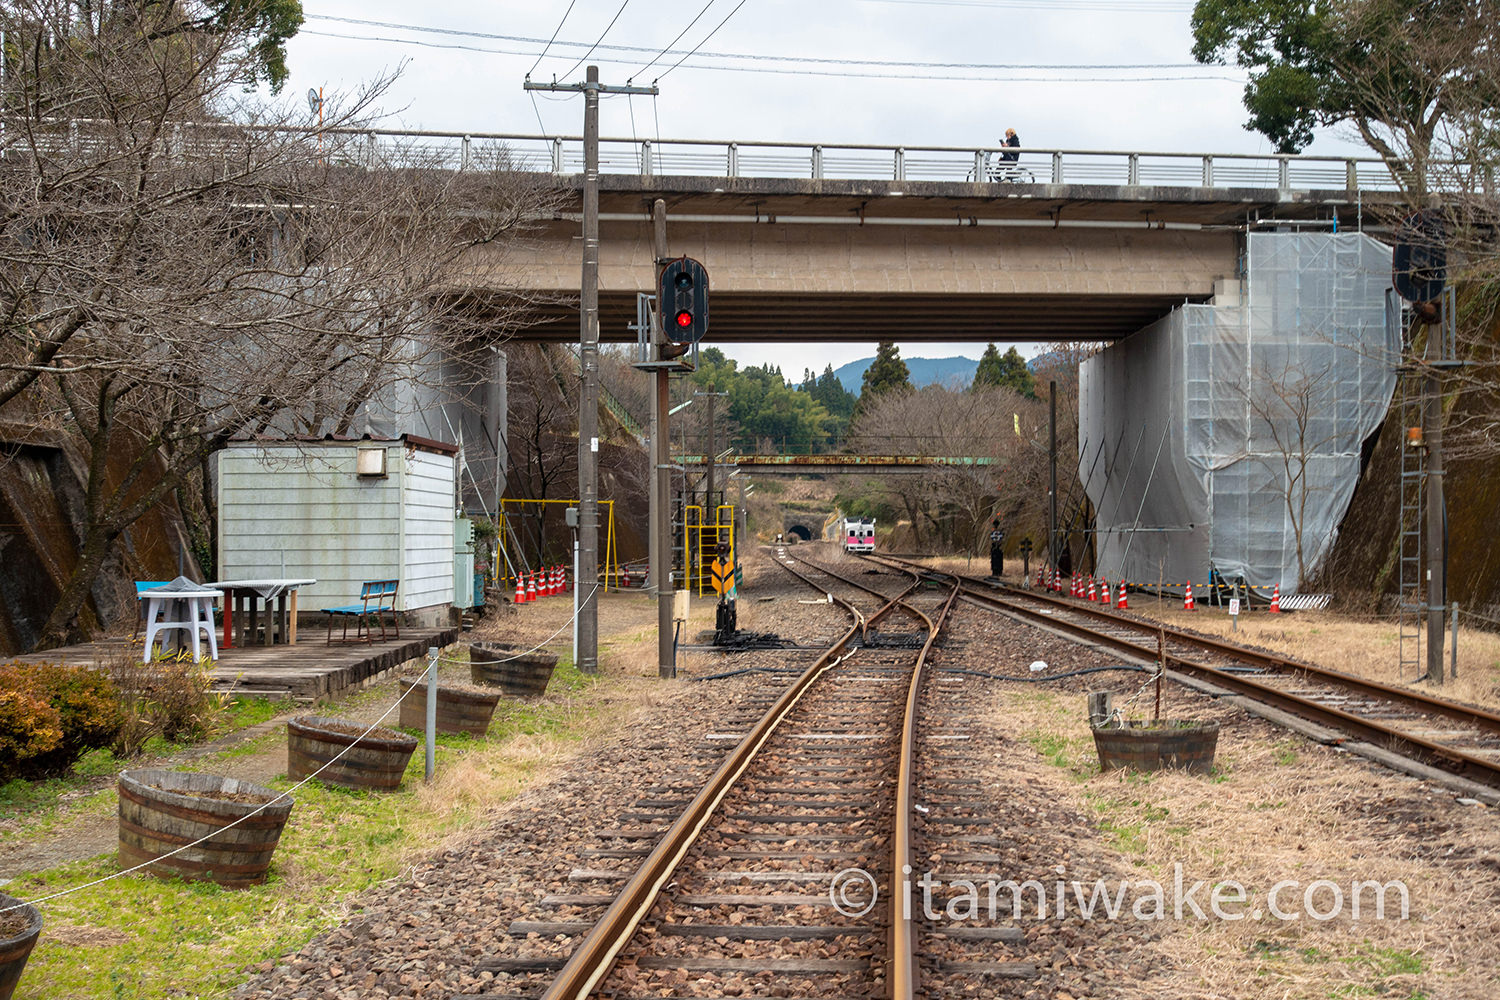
(557,572)
(1122,605)
(530,587)
(1187,598)
(1104,594)
(1039,571)
(520,590)
(1276,600)
(1093,590)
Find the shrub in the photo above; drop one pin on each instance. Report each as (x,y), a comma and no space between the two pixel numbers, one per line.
(162,698)
(50,714)
(29,727)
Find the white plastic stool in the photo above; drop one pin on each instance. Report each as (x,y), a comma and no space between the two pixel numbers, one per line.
(197,610)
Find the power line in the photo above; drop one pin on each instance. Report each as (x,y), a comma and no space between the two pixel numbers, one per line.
(590,52)
(673,41)
(755,56)
(1143,6)
(840,74)
(707,36)
(551,40)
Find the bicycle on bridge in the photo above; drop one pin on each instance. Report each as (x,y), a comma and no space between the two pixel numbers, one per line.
(1002,171)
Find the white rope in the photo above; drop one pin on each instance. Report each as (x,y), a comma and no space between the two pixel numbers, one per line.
(565,625)
(228,826)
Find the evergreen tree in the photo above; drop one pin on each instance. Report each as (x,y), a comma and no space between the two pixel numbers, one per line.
(990,370)
(835,398)
(888,373)
(1004,371)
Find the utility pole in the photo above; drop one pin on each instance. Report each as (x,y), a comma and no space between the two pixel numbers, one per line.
(588,365)
(708,458)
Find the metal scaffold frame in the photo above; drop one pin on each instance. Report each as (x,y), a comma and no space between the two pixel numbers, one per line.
(513,562)
(1411,597)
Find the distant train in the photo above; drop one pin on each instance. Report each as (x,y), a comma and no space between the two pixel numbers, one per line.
(857,534)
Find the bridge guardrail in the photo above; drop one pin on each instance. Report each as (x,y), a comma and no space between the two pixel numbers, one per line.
(563,156)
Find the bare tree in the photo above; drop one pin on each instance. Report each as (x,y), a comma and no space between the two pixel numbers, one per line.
(954,503)
(543,442)
(1431,72)
(183,267)
(1293,410)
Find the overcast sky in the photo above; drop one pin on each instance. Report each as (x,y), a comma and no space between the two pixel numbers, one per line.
(1080,74)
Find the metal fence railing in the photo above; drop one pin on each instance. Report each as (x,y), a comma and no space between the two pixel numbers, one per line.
(563,156)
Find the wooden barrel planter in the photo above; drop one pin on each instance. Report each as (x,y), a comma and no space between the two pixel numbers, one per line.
(460,709)
(161,811)
(1154,746)
(19,929)
(518,673)
(375,760)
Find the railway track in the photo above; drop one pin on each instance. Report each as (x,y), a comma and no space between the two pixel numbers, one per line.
(1460,739)
(777,876)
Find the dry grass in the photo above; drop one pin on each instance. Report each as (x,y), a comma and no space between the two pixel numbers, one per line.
(1282,808)
(1365,647)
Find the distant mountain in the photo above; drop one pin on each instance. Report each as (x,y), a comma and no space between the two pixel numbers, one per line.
(956,373)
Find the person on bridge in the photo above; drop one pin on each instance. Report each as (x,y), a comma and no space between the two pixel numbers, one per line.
(997,549)
(1013,143)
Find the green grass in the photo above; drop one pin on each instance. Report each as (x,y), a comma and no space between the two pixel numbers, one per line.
(38,801)
(242,712)
(170,939)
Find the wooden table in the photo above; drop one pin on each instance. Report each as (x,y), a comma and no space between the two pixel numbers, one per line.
(243,604)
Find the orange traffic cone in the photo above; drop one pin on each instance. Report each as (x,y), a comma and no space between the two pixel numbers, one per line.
(1276,600)
(1123,605)
(1105,594)
(1187,598)
(530,587)
(520,591)
(1093,590)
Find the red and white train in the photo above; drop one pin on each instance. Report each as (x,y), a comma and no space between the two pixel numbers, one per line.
(857,534)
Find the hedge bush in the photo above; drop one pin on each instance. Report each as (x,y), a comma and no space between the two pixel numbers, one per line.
(50,714)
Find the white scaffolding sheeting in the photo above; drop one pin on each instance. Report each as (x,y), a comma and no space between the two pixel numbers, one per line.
(1258,409)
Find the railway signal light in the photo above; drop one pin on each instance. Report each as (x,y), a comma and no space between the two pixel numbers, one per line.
(682,298)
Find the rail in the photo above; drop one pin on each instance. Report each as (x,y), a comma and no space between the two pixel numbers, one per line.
(593,959)
(1456,761)
(562,156)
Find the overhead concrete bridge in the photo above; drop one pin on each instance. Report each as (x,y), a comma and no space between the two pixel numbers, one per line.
(860,243)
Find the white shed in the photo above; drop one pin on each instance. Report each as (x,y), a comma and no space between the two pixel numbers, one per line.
(342,511)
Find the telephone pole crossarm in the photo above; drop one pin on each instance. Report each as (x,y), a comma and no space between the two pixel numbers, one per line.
(591,85)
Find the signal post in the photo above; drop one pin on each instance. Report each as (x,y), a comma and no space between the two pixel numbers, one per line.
(679,321)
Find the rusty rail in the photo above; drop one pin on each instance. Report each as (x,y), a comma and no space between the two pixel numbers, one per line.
(594,958)
(1451,759)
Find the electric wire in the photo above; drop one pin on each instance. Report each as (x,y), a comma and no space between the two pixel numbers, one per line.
(551,40)
(932,77)
(582,59)
(1137,6)
(760,57)
(705,38)
(673,42)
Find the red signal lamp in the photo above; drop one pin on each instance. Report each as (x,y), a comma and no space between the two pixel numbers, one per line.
(684,319)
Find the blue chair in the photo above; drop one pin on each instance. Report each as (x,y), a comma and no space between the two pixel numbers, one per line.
(377,598)
(140,606)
